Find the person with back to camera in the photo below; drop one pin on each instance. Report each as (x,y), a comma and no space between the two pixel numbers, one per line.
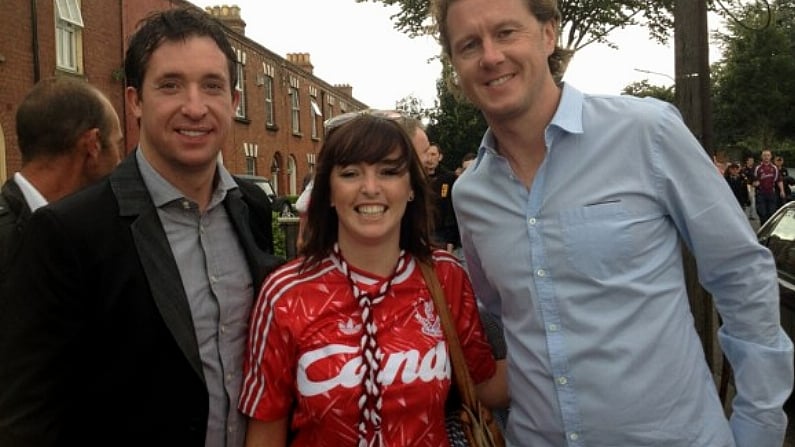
(127,320)
(345,341)
(69,137)
(589,280)
(786,180)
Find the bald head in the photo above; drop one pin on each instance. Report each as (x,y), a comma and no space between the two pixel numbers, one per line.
(69,136)
(56,112)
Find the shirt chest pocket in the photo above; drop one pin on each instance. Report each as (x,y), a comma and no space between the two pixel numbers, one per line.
(597,238)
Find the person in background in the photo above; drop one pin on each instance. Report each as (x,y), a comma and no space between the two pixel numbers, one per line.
(786,180)
(589,280)
(128,309)
(443,235)
(721,166)
(737,184)
(69,137)
(747,173)
(345,346)
(419,139)
(445,229)
(769,187)
(466,161)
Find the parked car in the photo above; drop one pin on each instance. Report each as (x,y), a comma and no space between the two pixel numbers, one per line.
(280,204)
(778,234)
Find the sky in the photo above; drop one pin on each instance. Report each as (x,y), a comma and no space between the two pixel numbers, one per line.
(356,43)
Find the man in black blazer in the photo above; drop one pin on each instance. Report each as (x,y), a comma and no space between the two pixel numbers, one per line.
(125,319)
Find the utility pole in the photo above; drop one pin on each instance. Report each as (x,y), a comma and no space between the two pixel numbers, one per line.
(691,48)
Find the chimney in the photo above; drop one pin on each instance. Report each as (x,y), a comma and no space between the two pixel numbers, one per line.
(345,88)
(229,16)
(302,60)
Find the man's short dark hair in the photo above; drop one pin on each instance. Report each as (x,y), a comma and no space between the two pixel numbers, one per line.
(55,113)
(171,26)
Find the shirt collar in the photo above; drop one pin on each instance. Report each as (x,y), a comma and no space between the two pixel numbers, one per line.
(32,195)
(567,118)
(163,192)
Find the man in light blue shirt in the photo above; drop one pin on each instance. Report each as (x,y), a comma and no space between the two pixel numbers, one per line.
(572,219)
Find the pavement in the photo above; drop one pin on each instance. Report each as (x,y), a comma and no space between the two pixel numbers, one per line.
(755,224)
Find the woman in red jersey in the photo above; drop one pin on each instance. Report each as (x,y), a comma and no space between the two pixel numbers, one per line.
(345,346)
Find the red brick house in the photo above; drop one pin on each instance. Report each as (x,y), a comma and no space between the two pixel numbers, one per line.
(278,127)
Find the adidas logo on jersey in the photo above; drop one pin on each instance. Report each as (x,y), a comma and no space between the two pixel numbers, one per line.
(349,327)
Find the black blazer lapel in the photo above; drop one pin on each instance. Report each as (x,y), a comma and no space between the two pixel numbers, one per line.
(249,217)
(154,252)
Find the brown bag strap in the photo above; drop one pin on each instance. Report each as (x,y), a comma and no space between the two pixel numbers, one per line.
(461,377)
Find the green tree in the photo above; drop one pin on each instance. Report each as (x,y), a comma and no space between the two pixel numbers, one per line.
(412,106)
(644,88)
(755,82)
(584,22)
(455,124)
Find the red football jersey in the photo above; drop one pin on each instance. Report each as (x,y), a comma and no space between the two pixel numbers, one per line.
(304,352)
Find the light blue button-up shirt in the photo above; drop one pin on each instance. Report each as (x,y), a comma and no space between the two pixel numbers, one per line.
(585,269)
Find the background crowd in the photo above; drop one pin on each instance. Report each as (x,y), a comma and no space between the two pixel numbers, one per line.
(761,188)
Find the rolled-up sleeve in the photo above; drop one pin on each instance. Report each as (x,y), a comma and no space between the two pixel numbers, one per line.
(740,274)
(764,378)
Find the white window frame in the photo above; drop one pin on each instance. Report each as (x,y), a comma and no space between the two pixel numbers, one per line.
(314,113)
(295,107)
(69,11)
(251,165)
(240,67)
(292,175)
(329,111)
(270,118)
(250,150)
(68,35)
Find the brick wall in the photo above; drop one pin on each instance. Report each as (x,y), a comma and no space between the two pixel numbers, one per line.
(102,55)
(107,25)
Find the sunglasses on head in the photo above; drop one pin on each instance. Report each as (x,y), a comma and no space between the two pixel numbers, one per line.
(337,121)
